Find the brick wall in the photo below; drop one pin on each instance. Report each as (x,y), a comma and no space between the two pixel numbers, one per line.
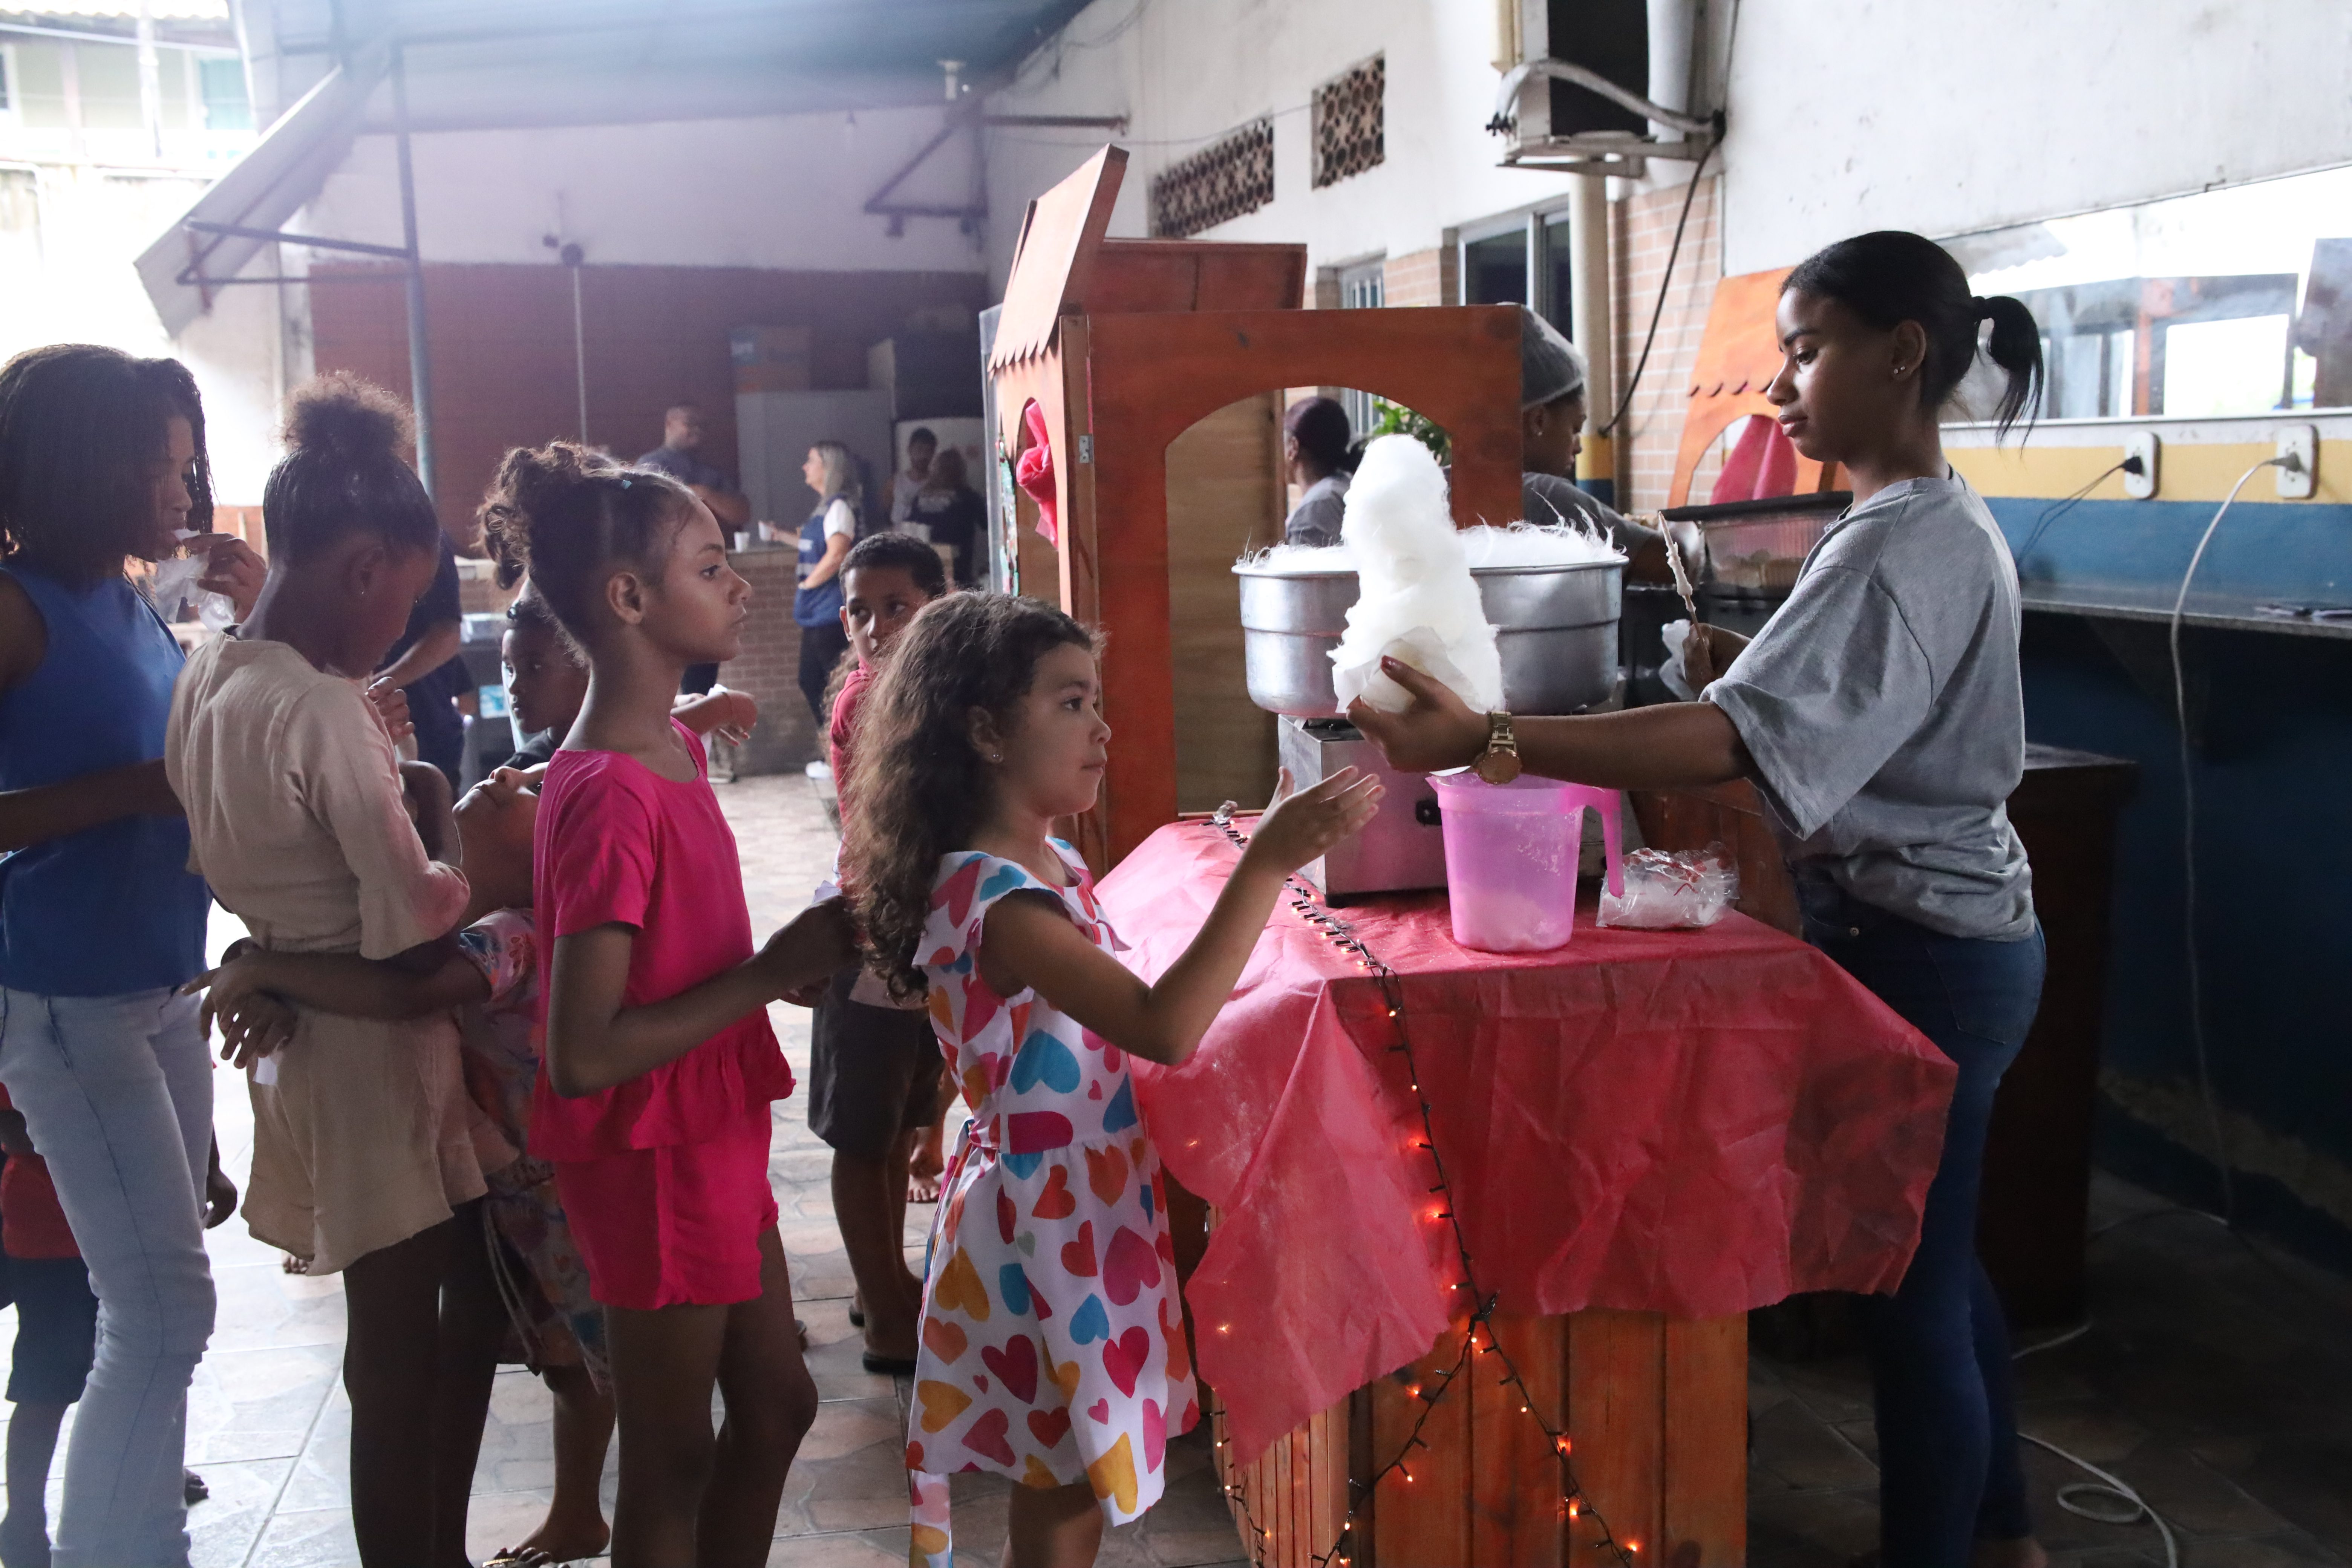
(1644,231)
(1420,278)
(769,667)
(503,368)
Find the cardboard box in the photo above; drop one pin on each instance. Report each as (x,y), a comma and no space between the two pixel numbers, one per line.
(771,359)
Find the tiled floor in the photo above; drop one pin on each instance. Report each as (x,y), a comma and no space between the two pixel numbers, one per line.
(269,1426)
(2218,1383)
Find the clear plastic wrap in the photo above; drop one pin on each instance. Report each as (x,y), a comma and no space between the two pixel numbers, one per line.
(1668,892)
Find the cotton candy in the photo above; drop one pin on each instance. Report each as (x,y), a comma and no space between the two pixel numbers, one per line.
(1417,601)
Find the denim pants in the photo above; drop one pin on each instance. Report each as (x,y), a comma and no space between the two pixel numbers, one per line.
(117,1092)
(1940,1356)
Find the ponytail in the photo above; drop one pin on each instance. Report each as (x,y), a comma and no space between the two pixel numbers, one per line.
(1889,277)
(2015,349)
(568,517)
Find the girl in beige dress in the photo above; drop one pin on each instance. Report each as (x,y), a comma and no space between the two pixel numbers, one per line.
(362,1160)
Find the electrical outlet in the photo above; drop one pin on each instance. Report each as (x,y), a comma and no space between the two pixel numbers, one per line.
(2143,444)
(2300,442)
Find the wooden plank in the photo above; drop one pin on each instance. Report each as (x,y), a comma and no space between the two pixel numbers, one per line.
(1132,276)
(1704,1510)
(1616,1396)
(1224,498)
(1052,267)
(1515,1513)
(1150,377)
(1424,1521)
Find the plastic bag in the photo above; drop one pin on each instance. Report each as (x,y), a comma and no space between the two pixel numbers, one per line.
(1676,635)
(174,589)
(1667,892)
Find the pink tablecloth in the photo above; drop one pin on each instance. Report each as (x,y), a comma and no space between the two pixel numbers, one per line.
(1689,1123)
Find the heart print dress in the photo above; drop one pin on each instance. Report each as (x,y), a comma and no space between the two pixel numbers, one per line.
(1053,1347)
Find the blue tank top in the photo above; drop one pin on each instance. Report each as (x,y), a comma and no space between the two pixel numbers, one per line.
(820,605)
(111,908)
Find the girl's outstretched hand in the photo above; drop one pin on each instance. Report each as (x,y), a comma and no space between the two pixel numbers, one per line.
(1300,826)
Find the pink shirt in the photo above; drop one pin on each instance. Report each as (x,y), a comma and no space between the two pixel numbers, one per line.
(842,733)
(618,844)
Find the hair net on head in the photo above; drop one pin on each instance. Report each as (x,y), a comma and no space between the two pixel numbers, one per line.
(1550,365)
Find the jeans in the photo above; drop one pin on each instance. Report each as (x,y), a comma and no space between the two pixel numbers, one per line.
(1946,1403)
(117,1092)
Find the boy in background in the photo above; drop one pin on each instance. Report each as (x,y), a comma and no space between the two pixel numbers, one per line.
(875,1070)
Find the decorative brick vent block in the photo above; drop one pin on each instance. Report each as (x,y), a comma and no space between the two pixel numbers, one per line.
(1216,184)
(1351,122)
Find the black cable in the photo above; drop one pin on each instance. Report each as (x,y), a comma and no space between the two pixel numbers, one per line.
(2064,504)
(1665,284)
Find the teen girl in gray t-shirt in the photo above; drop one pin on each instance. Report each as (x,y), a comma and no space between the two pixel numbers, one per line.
(1880,715)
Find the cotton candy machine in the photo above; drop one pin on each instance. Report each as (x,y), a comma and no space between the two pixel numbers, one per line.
(1555,627)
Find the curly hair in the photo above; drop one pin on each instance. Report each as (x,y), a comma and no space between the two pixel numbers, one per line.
(568,515)
(78,427)
(343,473)
(920,788)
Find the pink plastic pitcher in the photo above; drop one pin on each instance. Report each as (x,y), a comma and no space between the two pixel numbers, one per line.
(1511,853)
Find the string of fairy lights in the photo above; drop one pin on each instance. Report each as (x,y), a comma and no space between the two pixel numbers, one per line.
(1573,1505)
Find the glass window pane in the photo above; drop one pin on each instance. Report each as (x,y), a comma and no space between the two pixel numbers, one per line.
(226,108)
(1495,270)
(2225,367)
(2228,287)
(1560,254)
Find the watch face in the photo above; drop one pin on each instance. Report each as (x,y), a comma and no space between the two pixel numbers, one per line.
(1497,767)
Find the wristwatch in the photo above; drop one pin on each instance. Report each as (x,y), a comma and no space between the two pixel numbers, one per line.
(1499,762)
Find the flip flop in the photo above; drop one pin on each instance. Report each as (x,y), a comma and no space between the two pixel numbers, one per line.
(885,1365)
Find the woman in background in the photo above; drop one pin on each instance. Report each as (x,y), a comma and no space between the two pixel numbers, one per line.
(831,471)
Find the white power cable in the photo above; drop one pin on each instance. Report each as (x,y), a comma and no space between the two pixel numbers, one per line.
(2108,1486)
(2188,848)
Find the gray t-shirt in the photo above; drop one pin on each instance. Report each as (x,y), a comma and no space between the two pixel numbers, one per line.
(1548,499)
(1314,520)
(1882,707)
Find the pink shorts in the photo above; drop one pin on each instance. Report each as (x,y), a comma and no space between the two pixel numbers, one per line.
(674,1225)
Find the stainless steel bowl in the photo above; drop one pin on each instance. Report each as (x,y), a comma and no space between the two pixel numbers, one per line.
(1555,627)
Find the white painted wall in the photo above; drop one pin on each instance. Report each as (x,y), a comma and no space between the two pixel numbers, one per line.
(1845,115)
(1190,71)
(1848,115)
(783,191)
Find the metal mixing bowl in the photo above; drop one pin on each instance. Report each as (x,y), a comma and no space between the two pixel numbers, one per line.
(1555,627)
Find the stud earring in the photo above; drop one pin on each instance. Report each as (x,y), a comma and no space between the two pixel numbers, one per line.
(994,757)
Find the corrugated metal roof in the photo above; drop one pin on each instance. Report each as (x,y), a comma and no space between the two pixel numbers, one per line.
(507,62)
(116,11)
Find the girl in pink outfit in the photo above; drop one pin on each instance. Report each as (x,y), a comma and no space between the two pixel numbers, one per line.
(660,1067)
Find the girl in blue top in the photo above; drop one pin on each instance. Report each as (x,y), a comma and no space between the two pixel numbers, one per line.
(103,459)
(826,538)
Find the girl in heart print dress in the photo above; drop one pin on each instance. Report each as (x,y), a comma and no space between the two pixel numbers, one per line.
(1053,1344)
(1053,1338)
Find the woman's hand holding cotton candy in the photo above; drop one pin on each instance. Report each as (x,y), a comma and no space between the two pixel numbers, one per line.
(1437,731)
(1416,598)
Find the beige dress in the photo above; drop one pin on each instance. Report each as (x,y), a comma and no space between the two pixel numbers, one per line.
(296,818)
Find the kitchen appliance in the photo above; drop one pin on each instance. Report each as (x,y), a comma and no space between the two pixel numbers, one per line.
(1752,552)
(1555,627)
